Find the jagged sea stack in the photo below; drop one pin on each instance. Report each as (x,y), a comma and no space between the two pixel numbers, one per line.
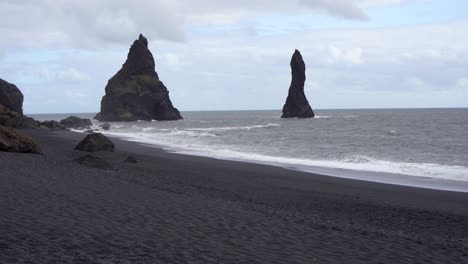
(135,91)
(296,104)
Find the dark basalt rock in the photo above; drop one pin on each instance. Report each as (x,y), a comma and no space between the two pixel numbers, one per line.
(11,97)
(76,122)
(135,92)
(52,125)
(94,162)
(11,108)
(95,142)
(105,126)
(296,104)
(14,141)
(13,119)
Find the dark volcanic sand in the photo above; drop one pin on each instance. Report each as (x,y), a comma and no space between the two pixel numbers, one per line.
(171,208)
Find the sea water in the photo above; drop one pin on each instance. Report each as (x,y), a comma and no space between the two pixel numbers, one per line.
(417,147)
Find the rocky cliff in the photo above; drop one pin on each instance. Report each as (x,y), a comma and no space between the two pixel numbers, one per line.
(135,91)
(11,97)
(11,108)
(296,104)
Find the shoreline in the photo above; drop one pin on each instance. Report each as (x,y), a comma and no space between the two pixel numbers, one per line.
(415,181)
(175,208)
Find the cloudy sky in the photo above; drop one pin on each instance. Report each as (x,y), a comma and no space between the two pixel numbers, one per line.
(229,55)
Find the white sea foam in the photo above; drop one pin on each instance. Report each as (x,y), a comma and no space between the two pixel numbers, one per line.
(392,132)
(234,127)
(328,148)
(352,163)
(177,132)
(148,129)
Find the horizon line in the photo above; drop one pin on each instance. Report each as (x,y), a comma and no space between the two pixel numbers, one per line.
(316,109)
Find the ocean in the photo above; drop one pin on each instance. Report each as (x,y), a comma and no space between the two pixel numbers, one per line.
(414,147)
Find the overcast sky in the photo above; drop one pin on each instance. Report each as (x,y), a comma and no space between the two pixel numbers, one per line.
(232,55)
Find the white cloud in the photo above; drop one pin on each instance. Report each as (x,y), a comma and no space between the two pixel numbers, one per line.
(340,8)
(462,83)
(346,55)
(172,60)
(415,83)
(75,94)
(72,74)
(95,24)
(44,72)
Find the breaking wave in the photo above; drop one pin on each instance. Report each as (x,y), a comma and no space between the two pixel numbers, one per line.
(234,127)
(176,132)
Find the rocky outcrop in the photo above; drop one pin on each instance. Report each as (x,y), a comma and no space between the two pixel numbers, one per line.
(105,126)
(11,97)
(135,92)
(296,104)
(14,141)
(52,125)
(13,119)
(76,122)
(95,142)
(93,162)
(11,108)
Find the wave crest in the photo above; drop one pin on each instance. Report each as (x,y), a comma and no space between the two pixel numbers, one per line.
(234,127)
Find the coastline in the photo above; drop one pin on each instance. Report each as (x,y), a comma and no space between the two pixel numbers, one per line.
(328,168)
(176,208)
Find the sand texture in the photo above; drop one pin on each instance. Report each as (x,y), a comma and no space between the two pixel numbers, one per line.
(172,208)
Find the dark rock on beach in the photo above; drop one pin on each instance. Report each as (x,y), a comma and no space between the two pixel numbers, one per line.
(91,161)
(135,92)
(11,97)
(52,125)
(14,141)
(76,122)
(13,119)
(105,126)
(296,104)
(95,142)
(11,108)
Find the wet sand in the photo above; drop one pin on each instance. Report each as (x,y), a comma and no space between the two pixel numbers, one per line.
(173,208)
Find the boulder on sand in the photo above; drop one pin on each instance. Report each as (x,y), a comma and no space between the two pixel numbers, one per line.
(95,142)
(14,141)
(52,125)
(76,122)
(13,119)
(135,91)
(296,104)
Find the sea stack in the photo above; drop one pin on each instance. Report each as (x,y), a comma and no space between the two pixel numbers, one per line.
(296,104)
(135,91)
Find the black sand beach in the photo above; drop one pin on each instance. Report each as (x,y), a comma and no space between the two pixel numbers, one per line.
(172,208)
